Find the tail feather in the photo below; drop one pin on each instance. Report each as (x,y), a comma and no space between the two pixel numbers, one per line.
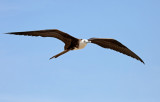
(63,52)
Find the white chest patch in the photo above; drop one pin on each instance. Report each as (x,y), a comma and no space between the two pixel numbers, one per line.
(81,45)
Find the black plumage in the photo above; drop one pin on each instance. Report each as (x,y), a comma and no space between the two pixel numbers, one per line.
(72,43)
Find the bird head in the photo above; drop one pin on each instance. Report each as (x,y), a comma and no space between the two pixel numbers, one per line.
(86,41)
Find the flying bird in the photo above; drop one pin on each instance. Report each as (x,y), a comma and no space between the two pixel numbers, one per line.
(72,43)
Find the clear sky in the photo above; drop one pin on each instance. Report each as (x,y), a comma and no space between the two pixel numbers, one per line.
(93,74)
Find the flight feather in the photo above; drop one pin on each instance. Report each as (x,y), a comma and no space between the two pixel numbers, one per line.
(114,45)
(66,38)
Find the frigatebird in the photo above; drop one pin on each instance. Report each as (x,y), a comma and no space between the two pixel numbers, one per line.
(72,43)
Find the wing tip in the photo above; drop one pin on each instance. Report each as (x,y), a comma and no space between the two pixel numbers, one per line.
(139,59)
(8,33)
(11,33)
(142,61)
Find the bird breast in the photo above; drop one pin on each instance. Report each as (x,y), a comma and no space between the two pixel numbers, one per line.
(81,45)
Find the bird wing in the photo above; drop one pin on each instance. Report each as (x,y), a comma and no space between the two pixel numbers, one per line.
(66,38)
(114,45)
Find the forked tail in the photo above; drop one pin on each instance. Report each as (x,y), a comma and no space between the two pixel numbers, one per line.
(63,52)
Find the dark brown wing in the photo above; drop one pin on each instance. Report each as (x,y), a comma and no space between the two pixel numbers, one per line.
(114,45)
(66,38)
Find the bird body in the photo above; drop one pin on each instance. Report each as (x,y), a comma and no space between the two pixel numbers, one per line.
(82,44)
(72,43)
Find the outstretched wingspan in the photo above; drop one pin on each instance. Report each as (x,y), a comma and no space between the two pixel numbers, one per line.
(66,38)
(114,45)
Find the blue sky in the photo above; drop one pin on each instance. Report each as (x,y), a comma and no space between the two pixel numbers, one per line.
(93,74)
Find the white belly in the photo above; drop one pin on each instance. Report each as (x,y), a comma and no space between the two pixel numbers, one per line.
(81,45)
